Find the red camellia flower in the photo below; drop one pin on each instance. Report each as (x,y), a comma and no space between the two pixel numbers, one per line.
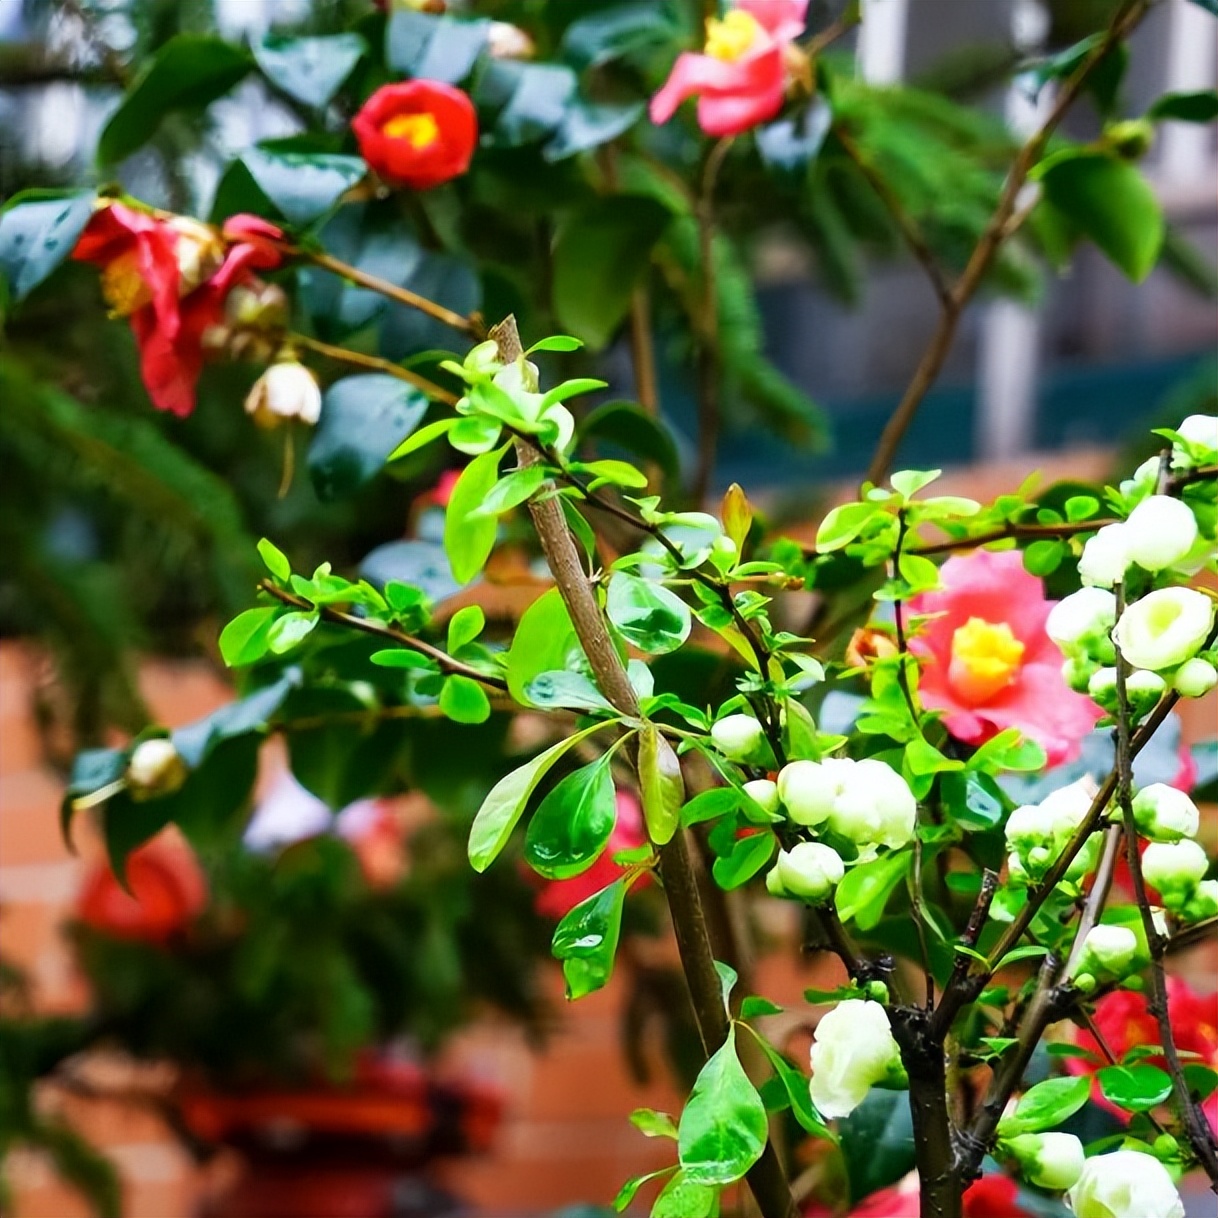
(167,891)
(740,79)
(1124,1021)
(988,663)
(417,134)
(171,278)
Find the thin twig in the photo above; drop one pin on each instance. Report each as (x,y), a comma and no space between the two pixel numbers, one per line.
(374,363)
(1097,896)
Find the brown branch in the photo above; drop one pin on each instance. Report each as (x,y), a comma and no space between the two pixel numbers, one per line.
(989,244)
(373,363)
(642,352)
(1018,532)
(766,1178)
(380,630)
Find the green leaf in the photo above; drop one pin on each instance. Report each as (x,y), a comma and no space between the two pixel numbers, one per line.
(865,889)
(246,638)
(612,31)
(755,1006)
(276,560)
(1136,1088)
(709,805)
(628,1191)
(599,255)
(796,1086)
(463,700)
(973,800)
(587,124)
(309,69)
(632,428)
(649,616)
(421,438)
(430,47)
(363,420)
(404,657)
(748,856)
(1108,200)
(1030,951)
(556,342)
(661,787)
(544,641)
(1199,107)
(511,490)
(843,524)
(877,1141)
(464,627)
(469,539)
(620,473)
(188,73)
(289,629)
(572,826)
(908,482)
(923,758)
(682,1197)
(303,185)
(723,1129)
(586,940)
(1044,557)
(38,230)
(1046,1105)
(567,690)
(653,1124)
(539,96)
(505,804)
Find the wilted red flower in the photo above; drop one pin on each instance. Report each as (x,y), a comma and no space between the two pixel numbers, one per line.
(171,278)
(1124,1021)
(740,79)
(417,134)
(167,891)
(987,661)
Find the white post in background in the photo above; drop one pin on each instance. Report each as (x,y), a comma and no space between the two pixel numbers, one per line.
(1186,155)
(880,56)
(1008,354)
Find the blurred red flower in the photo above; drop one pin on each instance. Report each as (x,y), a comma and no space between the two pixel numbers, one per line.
(1124,1021)
(167,892)
(988,663)
(417,134)
(990,1197)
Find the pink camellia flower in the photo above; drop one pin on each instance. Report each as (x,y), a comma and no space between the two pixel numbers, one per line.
(558,897)
(740,79)
(988,663)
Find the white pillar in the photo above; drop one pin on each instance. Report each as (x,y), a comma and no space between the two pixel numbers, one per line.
(1192,65)
(881,41)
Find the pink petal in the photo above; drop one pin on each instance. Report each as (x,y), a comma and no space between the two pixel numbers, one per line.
(753,85)
(783,20)
(721,115)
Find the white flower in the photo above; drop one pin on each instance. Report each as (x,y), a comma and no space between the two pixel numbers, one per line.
(738,737)
(286,390)
(1028,827)
(1087,612)
(155,767)
(1125,1184)
(809,870)
(1199,429)
(1195,678)
(1159,532)
(1165,628)
(876,806)
(764,793)
(1175,869)
(1049,1160)
(854,1050)
(1067,808)
(1104,558)
(1164,813)
(1108,951)
(808,789)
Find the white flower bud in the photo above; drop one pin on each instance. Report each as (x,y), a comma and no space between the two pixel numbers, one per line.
(1159,532)
(1067,808)
(286,390)
(1199,429)
(1102,687)
(1089,612)
(1145,479)
(1077,674)
(809,789)
(1049,1160)
(1175,869)
(154,768)
(1144,689)
(1203,903)
(1108,951)
(506,41)
(1028,827)
(1017,873)
(1104,558)
(1195,678)
(1125,1184)
(876,806)
(854,1050)
(764,793)
(1165,814)
(1164,628)
(809,870)
(738,737)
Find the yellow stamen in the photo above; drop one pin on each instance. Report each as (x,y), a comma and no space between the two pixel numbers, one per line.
(985,659)
(733,36)
(123,286)
(420,130)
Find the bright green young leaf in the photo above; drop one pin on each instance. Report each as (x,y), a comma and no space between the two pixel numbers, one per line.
(276,560)
(1046,1105)
(475,434)
(864,892)
(648,615)
(469,539)
(567,690)
(709,805)
(843,524)
(569,389)
(653,1124)
(1136,1088)
(796,1086)
(464,627)
(620,473)
(723,1129)
(556,342)
(289,629)
(421,438)
(682,1197)
(404,657)
(246,638)
(661,786)
(504,805)
(463,700)
(38,230)
(748,856)
(573,822)
(908,482)
(629,1190)
(586,940)
(511,490)
(309,69)
(544,641)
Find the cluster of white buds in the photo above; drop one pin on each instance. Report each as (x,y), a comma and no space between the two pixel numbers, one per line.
(853,1051)
(1173,862)
(1108,954)
(1037,833)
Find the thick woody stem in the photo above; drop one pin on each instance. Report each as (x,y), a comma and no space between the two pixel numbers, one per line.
(766,1178)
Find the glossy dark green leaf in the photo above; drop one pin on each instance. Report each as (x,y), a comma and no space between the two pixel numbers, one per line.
(309,69)
(463,700)
(588,125)
(798,1094)
(1136,1088)
(363,418)
(188,73)
(246,716)
(877,1141)
(534,96)
(723,1128)
(469,539)
(748,856)
(973,800)
(586,940)
(628,426)
(661,786)
(38,230)
(1199,107)
(791,144)
(647,614)
(303,185)
(599,255)
(572,824)
(566,690)
(433,47)
(612,31)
